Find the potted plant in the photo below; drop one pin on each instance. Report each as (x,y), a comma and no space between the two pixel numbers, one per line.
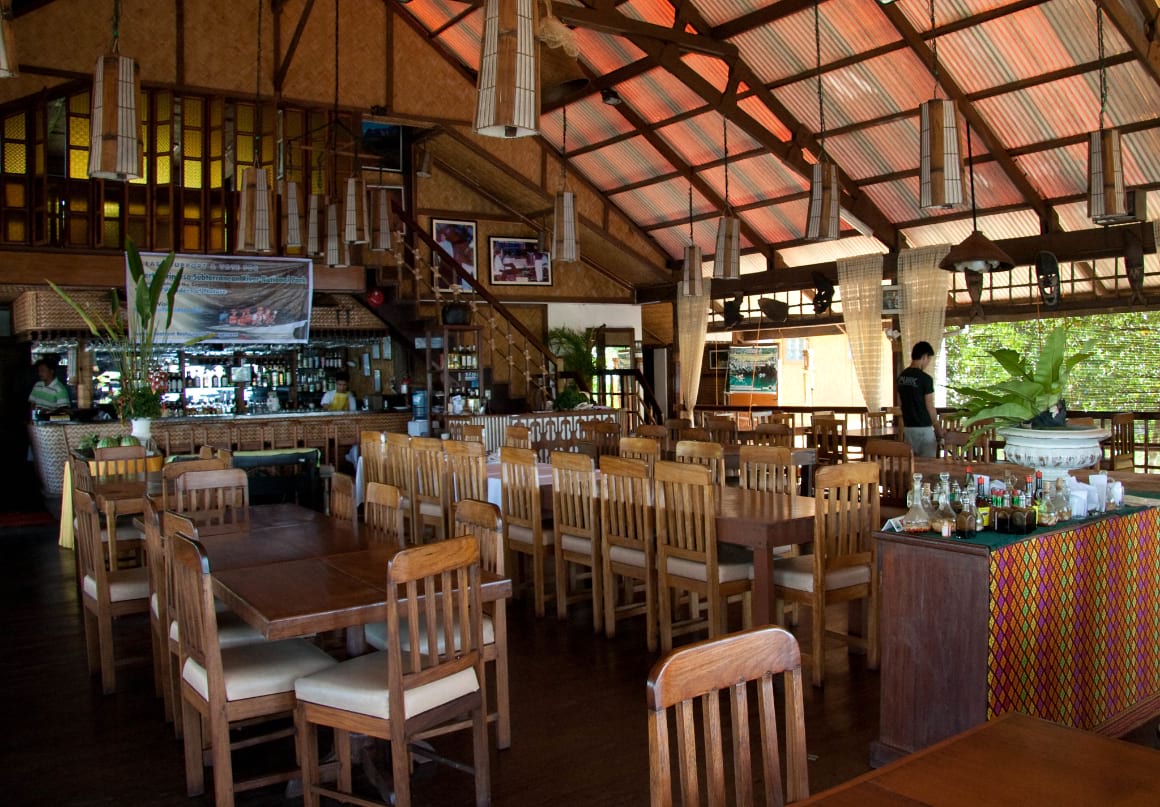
(135,345)
(574,348)
(1030,410)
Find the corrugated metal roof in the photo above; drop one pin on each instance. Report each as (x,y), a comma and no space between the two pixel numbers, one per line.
(1141,151)
(657,203)
(1015,224)
(436,13)
(604,53)
(589,121)
(823,251)
(783,222)
(878,150)
(1056,172)
(755,179)
(755,108)
(658,95)
(464,40)
(945,11)
(720,11)
(701,139)
(710,68)
(658,12)
(622,163)
(674,239)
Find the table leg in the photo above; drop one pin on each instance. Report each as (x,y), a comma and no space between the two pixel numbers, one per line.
(356,642)
(762,587)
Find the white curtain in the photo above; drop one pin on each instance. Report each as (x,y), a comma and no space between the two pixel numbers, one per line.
(860,280)
(692,324)
(924,289)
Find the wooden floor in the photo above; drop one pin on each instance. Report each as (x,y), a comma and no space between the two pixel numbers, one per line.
(578,711)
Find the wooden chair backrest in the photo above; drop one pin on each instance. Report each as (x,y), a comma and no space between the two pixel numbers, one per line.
(759,417)
(574,495)
(90,552)
(466,471)
(604,434)
(82,475)
(119,464)
(955,446)
(693,434)
(1123,442)
(829,440)
(768,468)
(773,434)
(710,455)
(449,569)
(397,470)
(171,470)
(192,594)
(658,433)
(342,504)
(155,560)
(721,430)
(521,489)
(895,469)
(471,433)
(846,514)
(482,519)
(517,437)
(372,447)
(950,421)
(383,513)
(673,426)
(216,501)
(877,421)
(641,448)
(686,514)
(701,672)
(626,512)
(429,469)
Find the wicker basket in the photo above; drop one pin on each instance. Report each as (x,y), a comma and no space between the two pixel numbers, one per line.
(35,311)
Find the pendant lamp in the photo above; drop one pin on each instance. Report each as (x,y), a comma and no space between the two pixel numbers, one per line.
(255,200)
(691,272)
(508,88)
(115,148)
(565,236)
(9,65)
(292,224)
(976,253)
(380,220)
(941,163)
(727,255)
(356,227)
(334,246)
(315,226)
(823,222)
(1107,201)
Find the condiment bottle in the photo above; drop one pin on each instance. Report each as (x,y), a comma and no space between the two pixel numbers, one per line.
(982,507)
(916,518)
(966,522)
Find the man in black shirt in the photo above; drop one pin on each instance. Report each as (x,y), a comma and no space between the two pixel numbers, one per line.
(916,397)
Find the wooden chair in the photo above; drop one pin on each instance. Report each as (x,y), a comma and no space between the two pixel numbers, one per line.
(956,446)
(688,556)
(342,504)
(221,687)
(523,530)
(721,430)
(773,434)
(471,433)
(895,462)
(575,521)
(843,564)
(628,544)
(466,473)
(641,448)
(658,433)
(372,449)
(399,698)
(784,418)
(107,594)
(384,514)
(768,468)
(517,437)
(673,426)
(603,434)
(119,464)
(397,472)
(428,489)
(698,674)
(695,435)
(1123,443)
(216,501)
(877,422)
(710,455)
(829,440)
(759,417)
(171,470)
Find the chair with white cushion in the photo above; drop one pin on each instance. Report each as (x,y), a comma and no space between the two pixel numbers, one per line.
(524,534)
(428,488)
(842,566)
(217,501)
(397,472)
(466,473)
(628,544)
(223,686)
(575,521)
(383,514)
(399,695)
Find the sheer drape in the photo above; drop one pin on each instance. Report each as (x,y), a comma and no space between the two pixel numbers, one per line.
(692,323)
(924,288)
(860,280)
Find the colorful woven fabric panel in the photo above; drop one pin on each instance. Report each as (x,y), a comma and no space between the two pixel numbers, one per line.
(1075,621)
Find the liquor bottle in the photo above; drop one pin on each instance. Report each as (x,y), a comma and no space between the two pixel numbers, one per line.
(982,506)
(967,520)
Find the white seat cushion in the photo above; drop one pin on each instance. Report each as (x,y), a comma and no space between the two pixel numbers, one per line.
(798,574)
(153,607)
(128,584)
(581,546)
(232,631)
(376,634)
(733,563)
(125,532)
(629,557)
(261,668)
(433,509)
(523,535)
(360,685)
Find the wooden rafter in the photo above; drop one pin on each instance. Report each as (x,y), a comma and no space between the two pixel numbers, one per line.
(291,49)
(1143,39)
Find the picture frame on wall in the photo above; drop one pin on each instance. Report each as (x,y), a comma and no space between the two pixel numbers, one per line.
(458,239)
(718,358)
(518,261)
(891,299)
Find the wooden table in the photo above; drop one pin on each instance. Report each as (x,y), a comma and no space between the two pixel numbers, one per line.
(1012,760)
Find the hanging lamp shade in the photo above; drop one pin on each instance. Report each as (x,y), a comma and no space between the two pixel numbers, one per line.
(508,90)
(824,222)
(115,143)
(941,174)
(315,224)
(565,245)
(254,211)
(976,253)
(1107,202)
(356,227)
(292,224)
(9,66)
(561,75)
(727,258)
(380,220)
(691,273)
(336,248)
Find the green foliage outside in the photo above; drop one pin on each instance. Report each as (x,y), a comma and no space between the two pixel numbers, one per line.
(1122,374)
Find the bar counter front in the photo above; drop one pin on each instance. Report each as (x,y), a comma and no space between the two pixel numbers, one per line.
(1062,624)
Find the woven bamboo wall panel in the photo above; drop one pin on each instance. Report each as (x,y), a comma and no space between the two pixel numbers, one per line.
(362,68)
(419,74)
(45,311)
(215,58)
(513,153)
(657,322)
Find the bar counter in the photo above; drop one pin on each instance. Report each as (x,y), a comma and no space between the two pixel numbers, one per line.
(52,440)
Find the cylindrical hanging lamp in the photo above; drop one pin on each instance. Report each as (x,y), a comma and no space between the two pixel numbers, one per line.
(824,212)
(508,89)
(292,224)
(115,150)
(565,234)
(9,65)
(336,248)
(315,211)
(691,274)
(356,228)
(942,175)
(1107,201)
(380,220)
(254,211)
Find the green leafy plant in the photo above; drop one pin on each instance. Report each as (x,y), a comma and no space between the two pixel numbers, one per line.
(1033,393)
(134,345)
(569,398)
(575,350)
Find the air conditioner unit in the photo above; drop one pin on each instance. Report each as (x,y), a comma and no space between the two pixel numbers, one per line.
(1135,209)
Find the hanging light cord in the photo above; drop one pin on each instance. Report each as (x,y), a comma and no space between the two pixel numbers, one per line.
(258,95)
(333,179)
(933,52)
(116,26)
(725,143)
(564,151)
(818,64)
(692,243)
(1103,65)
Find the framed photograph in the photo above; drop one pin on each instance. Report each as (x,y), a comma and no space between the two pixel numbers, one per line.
(718,358)
(458,239)
(384,141)
(753,368)
(519,262)
(378,380)
(891,299)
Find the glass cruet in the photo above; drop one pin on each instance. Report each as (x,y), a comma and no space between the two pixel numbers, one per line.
(916,519)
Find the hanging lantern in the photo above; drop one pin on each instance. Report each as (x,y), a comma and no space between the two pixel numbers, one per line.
(942,160)
(336,249)
(565,247)
(1107,202)
(824,212)
(314,225)
(356,228)
(508,89)
(115,150)
(292,225)
(9,66)
(254,211)
(727,258)
(691,274)
(380,220)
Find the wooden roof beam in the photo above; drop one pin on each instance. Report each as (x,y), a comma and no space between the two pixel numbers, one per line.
(292,48)
(1138,27)
(612,22)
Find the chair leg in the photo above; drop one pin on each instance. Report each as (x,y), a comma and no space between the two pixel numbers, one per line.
(223,766)
(155,645)
(92,641)
(666,616)
(400,766)
(174,685)
(650,610)
(108,659)
(747,610)
(609,598)
(194,770)
(716,616)
(482,758)
(503,723)
(342,752)
(872,647)
(818,620)
(307,736)
(597,593)
(538,559)
(562,569)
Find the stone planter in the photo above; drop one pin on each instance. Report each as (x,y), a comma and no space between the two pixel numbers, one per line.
(1054,451)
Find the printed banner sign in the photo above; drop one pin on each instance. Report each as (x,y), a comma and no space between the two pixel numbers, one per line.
(235,299)
(753,369)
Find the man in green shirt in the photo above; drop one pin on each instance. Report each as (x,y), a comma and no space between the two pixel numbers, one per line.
(48,394)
